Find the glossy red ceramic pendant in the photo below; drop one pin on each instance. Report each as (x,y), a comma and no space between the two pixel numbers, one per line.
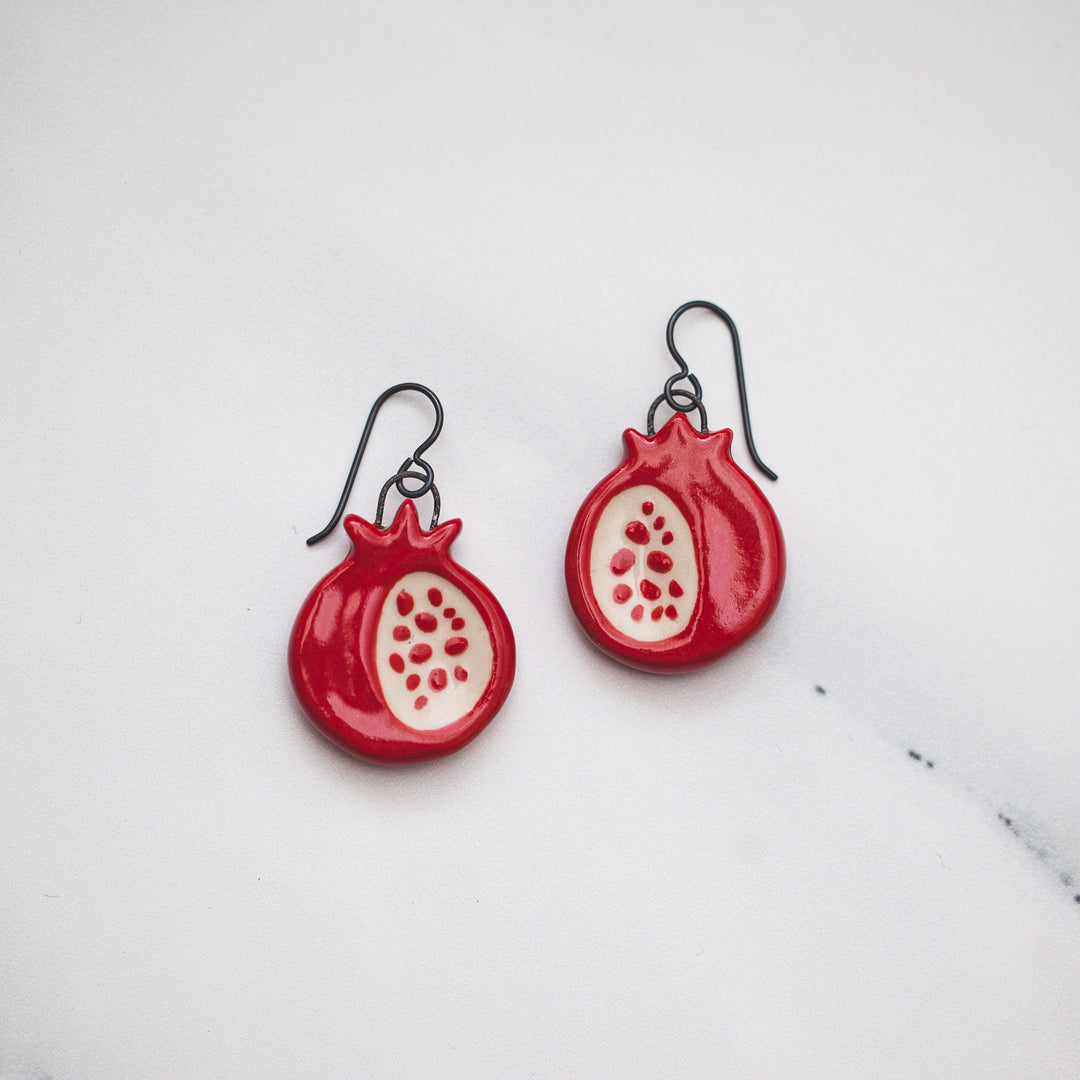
(675,557)
(400,654)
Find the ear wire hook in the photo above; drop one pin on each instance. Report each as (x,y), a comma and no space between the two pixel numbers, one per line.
(427,476)
(693,400)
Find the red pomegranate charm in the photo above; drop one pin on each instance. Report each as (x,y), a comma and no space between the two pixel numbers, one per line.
(676,557)
(400,654)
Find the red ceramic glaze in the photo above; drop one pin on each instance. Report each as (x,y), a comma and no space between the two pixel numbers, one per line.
(400,654)
(675,557)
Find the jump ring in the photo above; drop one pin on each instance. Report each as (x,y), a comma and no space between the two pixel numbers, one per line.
(670,391)
(693,402)
(428,477)
(407,475)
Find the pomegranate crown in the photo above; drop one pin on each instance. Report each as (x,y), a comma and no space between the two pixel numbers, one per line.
(405,532)
(677,435)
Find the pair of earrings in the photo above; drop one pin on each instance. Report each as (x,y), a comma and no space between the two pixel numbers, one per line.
(676,557)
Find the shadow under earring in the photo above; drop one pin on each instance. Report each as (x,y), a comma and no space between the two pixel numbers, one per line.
(400,654)
(676,557)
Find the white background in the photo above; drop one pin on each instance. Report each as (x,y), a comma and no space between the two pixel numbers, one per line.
(227,227)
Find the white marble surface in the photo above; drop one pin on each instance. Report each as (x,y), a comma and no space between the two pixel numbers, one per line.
(228,227)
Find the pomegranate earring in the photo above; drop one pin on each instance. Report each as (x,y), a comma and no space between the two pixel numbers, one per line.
(400,654)
(676,557)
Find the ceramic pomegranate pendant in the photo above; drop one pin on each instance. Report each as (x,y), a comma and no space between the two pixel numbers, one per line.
(676,556)
(400,654)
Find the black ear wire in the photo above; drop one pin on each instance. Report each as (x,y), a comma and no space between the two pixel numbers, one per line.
(691,400)
(409,466)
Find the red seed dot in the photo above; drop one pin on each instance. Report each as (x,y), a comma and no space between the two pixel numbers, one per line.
(637,612)
(667,538)
(412,682)
(449,613)
(404,603)
(656,612)
(650,590)
(658,561)
(438,679)
(674,588)
(460,673)
(670,612)
(622,593)
(658,524)
(621,561)
(397,663)
(455,646)
(637,532)
(457,624)
(417,654)
(434,597)
(646,508)
(426,621)
(402,633)
(420,702)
